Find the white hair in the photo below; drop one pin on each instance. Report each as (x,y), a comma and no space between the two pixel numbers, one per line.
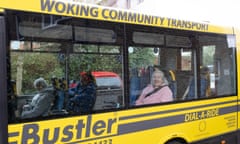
(40,82)
(164,80)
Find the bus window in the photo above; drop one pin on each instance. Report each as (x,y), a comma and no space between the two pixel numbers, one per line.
(60,53)
(218,56)
(106,67)
(141,62)
(186,60)
(26,66)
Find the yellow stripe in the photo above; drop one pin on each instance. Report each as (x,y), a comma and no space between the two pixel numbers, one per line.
(77,9)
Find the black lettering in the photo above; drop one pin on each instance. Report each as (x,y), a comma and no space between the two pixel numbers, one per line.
(88,125)
(99,127)
(47,5)
(198,26)
(147,19)
(132,17)
(184,24)
(122,16)
(84,11)
(60,7)
(46,139)
(104,13)
(174,22)
(206,27)
(179,23)
(67,131)
(169,21)
(30,133)
(113,14)
(188,24)
(94,12)
(70,9)
(193,25)
(152,19)
(155,20)
(110,124)
(162,20)
(77,9)
(79,128)
(140,18)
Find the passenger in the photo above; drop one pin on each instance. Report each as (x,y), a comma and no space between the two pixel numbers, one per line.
(41,102)
(204,84)
(134,86)
(156,92)
(60,88)
(85,97)
(73,87)
(72,84)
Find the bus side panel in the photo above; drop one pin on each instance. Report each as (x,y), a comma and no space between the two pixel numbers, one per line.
(191,121)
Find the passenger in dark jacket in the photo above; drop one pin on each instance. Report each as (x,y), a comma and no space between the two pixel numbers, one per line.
(84,100)
(41,102)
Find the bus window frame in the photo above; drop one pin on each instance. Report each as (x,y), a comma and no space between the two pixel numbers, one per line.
(116,28)
(3,75)
(127,41)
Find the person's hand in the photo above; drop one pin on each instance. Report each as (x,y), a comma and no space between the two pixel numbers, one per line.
(26,107)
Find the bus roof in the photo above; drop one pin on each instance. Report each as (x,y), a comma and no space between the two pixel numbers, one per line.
(82,10)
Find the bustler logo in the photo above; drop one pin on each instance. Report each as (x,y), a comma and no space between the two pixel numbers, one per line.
(69,131)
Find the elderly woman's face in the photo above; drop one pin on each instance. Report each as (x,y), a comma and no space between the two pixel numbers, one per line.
(157,80)
(39,87)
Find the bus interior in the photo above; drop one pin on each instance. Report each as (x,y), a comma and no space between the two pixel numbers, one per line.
(197,65)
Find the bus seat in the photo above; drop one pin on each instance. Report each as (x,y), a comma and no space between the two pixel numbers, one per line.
(172,83)
(190,91)
(204,85)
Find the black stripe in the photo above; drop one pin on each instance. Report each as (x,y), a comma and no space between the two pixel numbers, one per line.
(166,121)
(13,134)
(227,110)
(149,124)
(13,142)
(173,110)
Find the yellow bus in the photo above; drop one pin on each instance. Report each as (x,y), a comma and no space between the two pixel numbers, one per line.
(58,40)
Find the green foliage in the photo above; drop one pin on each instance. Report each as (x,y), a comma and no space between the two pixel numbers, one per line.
(47,65)
(208,55)
(141,57)
(93,62)
(35,65)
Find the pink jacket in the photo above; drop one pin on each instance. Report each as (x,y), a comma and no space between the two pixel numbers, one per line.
(162,95)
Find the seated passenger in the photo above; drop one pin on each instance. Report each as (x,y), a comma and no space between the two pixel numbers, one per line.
(60,86)
(85,97)
(72,84)
(157,92)
(72,90)
(41,102)
(204,84)
(134,86)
